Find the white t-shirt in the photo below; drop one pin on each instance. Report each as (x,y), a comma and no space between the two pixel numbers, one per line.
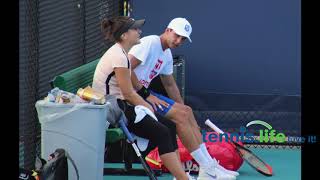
(104,77)
(154,60)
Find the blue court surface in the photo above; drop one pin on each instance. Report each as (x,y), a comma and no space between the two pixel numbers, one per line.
(286,164)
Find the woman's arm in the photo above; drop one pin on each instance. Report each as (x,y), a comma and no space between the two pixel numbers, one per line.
(134,63)
(128,92)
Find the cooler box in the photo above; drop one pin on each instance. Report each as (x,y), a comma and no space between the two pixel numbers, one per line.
(80,129)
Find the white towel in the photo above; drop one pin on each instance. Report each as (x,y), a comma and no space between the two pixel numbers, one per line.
(141,112)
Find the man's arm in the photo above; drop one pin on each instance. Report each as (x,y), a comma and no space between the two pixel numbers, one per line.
(171,87)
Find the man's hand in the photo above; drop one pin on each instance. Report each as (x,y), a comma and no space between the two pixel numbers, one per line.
(149,107)
(156,102)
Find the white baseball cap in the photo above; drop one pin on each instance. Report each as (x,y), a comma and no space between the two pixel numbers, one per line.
(181,27)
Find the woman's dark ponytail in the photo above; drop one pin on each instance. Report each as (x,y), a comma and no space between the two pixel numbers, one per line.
(110,26)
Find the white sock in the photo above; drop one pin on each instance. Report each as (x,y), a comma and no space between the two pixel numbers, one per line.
(206,153)
(200,157)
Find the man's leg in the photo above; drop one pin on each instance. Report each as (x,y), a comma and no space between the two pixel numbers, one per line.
(184,129)
(189,134)
(197,134)
(192,121)
(186,126)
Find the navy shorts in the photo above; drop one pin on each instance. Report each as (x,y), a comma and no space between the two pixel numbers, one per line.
(164,109)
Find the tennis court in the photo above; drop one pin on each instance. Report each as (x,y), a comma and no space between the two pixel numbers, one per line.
(285,161)
(243,65)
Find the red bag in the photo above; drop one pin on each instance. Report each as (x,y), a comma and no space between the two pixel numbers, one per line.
(153,159)
(223,151)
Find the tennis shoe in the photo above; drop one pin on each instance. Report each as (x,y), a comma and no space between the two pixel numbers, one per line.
(212,172)
(234,173)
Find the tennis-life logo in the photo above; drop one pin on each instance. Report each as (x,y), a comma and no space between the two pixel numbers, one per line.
(269,134)
(266,135)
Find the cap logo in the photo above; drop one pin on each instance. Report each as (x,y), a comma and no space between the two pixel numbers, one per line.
(187,27)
